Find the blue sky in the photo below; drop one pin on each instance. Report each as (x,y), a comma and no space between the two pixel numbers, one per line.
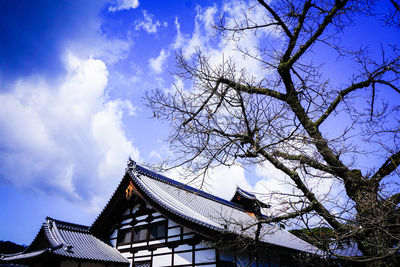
(73,75)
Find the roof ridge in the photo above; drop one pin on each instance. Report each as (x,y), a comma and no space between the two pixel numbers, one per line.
(245,192)
(53,235)
(183,186)
(65,224)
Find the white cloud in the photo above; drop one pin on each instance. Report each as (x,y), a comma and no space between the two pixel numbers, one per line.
(179,39)
(156,64)
(147,23)
(218,48)
(123,5)
(220,181)
(66,135)
(155,154)
(223,181)
(97,46)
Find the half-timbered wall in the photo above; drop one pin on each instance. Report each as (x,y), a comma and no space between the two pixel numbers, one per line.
(147,238)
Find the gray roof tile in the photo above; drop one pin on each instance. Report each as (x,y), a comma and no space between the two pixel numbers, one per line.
(210,211)
(70,241)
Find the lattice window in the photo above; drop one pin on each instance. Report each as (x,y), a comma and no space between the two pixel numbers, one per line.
(157,231)
(142,264)
(124,236)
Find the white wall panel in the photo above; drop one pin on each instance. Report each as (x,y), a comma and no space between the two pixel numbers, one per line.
(174,231)
(143,253)
(141,217)
(156,241)
(124,246)
(126,221)
(162,260)
(188,236)
(205,255)
(183,247)
(171,223)
(174,238)
(158,220)
(162,250)
(182,258)
(114,234)
(139,244)
(143,259)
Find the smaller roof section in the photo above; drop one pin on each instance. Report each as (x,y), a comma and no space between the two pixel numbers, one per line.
(66,240)
(249,201)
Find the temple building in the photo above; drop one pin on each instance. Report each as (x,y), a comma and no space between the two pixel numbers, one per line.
(152,220)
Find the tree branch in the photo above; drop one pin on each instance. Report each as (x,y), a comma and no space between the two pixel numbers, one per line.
(394,199)
(340,97)
(391,164)
(277,18)
(293,39)
(289,215)
(317,206)
(203,105)
(327,20)
(305,160)
(252,89)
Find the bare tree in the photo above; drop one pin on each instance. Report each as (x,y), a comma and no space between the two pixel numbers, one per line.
(285,117)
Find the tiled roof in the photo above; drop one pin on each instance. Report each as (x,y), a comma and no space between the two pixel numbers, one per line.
(245,193)
(207,210)
(70,241)
(22,255)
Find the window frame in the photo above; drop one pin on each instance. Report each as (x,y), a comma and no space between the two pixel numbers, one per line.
(148,228)
(119,236)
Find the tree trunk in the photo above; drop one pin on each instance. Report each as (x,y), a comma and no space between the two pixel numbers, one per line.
(373,238)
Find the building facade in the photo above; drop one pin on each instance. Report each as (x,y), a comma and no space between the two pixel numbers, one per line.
(152,220)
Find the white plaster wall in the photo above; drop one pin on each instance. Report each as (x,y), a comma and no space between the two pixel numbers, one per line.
(183,247)
(171,223)
(163,250)
(142,253)
(124,246)
(114,234)
(174,231)
(126,221)
(162,260)
(183,258)
(202,256)
(188,236)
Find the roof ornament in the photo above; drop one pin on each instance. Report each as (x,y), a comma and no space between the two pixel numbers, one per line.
(49,222)
(131,164)
(249,202)
(68,248)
